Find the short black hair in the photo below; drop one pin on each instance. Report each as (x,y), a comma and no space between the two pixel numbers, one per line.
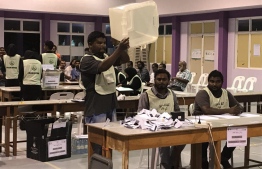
(142,63)
(49,44)
(11,50)
(164,65)
(131,62)
(155,64)
(72,61)
(159,71)
(215,73)
(86,49)
(94,35)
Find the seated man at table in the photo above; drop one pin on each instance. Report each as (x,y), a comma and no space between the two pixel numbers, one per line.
(183,76)
(214,100)
(162,99)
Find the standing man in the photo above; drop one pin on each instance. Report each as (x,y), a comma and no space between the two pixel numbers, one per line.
(98,78)
(49,57)
(30,73)
(162,99)
(10,67)
(214,100)
(183,76)
(143,72)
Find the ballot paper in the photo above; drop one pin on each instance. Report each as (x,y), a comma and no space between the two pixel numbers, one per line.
(151,120)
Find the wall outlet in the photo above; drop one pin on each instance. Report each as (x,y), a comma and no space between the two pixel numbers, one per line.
(203,125)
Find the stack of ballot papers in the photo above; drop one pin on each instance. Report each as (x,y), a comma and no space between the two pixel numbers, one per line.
(151,120)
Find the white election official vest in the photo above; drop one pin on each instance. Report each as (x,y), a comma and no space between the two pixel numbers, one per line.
(49,58)
(105,82)
(161,105)
(32,72)
(12,66)
(218,103)
(131,81)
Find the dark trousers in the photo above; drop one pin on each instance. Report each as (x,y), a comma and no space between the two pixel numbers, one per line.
(31,92)
(11,82)
(225,155)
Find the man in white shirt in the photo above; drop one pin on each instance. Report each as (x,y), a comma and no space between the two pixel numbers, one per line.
(152,75)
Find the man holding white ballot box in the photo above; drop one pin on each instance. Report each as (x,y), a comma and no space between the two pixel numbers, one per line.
(214,100)
(98,78)
(162,99)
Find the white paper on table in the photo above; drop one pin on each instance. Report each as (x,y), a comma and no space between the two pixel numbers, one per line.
(204,117)
(124,89)
(256,50)
(248,115)
(236,136)
(226,116)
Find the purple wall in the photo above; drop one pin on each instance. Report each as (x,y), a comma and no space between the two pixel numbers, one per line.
(176,24)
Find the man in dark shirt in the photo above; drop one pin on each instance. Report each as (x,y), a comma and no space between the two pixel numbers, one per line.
(143,72)
(98,77)
(214,100)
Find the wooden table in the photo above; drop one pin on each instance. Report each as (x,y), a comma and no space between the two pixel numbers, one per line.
(117,137)
(6,92)
(69,83)
(13,107)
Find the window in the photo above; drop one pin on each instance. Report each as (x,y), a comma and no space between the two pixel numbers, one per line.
(25,34)
(12,25)
(64,40)
(31,26)
(77,27)
(63,27)
(161,30)
(249,35)
(168,29)
(108,30)
(243,25)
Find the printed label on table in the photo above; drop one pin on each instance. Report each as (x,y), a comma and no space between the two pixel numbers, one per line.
(236,136)
(57,148)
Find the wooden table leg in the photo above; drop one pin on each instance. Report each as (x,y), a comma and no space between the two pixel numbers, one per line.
(15,131)
(7,132)
(125,156)
(106,152)
(196,156)
(1,128)
(247,152)
(90,148)
(218,150)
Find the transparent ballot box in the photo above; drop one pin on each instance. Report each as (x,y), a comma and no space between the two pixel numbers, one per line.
(51,78)
(138,21)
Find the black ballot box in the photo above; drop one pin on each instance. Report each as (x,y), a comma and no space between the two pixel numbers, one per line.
(48,139)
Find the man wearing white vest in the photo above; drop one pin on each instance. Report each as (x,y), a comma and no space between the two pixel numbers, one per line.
(49,57)
(10,67)
(214,100)
(162,99)
(30,74)
(98,78)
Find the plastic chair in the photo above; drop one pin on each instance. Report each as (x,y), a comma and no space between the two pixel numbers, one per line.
(202,82)
(191,109)
(62,96)
(80,95)
(250,80)
(98,161)
(238,79)
(189,84)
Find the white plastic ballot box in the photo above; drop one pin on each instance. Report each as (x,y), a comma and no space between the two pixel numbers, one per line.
(138,21)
